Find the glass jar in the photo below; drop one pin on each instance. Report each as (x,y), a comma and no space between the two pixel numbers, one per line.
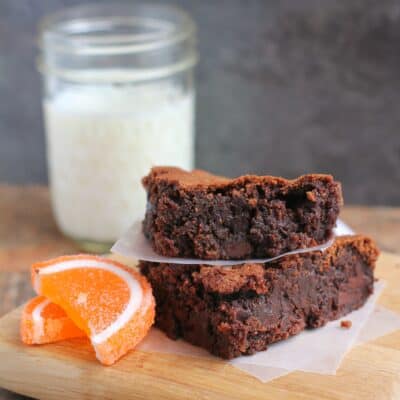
(118,99)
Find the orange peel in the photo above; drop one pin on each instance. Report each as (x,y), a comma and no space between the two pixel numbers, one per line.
(45,322)
(113,304)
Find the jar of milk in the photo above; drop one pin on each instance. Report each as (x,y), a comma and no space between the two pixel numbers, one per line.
(118,99)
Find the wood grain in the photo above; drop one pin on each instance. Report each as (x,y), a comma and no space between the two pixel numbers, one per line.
(69,370)
(28,233)
(27,229)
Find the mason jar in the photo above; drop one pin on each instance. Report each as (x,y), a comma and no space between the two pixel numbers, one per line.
(118,99)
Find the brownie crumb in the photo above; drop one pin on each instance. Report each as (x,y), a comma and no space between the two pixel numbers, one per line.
(232,311)
(346,324)
(311,196)
(199,215)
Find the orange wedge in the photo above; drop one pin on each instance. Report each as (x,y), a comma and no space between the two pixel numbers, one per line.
(44,322)
(111,303)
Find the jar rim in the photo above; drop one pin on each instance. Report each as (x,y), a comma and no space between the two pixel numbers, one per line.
(88,29)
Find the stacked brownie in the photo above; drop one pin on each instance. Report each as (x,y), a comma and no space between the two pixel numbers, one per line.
(241,309)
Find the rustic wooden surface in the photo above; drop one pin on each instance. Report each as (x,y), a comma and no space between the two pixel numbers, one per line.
(28,233)
(68,369)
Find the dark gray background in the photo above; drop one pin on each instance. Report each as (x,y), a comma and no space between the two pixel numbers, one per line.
(284,87)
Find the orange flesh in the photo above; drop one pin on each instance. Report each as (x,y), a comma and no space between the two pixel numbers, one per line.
(94,298)
(54,325)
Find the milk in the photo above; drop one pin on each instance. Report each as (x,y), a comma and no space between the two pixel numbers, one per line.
(101,140)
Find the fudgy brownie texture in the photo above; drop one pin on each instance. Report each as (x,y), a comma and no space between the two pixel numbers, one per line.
(238,310)
(196,214)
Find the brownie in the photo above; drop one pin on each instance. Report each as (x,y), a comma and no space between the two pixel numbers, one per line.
(199,215)
(238,310)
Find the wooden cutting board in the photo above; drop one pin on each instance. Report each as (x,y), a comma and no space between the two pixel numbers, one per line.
(68,370)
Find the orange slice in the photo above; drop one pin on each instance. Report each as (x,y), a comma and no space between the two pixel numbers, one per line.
(44,322)
(111,303)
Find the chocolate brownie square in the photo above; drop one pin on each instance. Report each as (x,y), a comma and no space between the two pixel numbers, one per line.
(199,215)
(237,310)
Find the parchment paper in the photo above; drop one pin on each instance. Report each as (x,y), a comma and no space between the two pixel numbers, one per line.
(381,322)
(319,350)
(134,245)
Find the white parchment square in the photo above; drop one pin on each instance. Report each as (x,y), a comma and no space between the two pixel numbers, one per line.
(319,350)
(134,245)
